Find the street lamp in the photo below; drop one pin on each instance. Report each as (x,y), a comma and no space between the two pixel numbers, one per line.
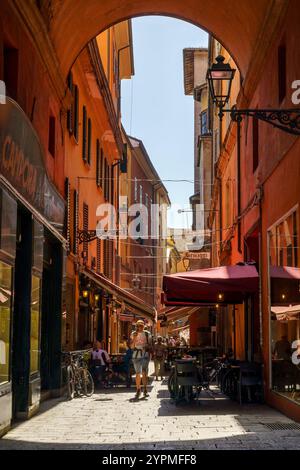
(220,77)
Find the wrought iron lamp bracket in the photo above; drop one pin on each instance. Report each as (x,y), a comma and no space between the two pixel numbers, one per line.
(86,236)
(288,120)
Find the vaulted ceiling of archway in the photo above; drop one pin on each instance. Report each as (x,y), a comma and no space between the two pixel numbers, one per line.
(236,23)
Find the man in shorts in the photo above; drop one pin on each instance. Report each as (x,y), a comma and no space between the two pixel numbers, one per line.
(141,343)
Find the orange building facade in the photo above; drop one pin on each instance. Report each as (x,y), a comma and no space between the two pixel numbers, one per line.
(38,50)
(254,218)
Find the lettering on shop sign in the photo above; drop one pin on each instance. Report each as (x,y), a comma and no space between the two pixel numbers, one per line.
(22,164)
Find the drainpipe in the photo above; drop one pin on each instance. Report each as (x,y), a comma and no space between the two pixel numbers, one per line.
(239,183)
(260,268)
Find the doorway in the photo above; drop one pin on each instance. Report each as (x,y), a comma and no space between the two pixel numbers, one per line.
(51,316)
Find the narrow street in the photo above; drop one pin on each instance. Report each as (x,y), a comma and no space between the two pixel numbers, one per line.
(150,213)
(108,420)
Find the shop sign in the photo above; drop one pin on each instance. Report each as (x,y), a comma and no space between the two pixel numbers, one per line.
(22,164)
(202,255)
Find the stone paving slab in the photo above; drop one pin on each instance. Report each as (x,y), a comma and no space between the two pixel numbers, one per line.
(109,420)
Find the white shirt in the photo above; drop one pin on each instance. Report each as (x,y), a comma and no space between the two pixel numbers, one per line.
(97,354)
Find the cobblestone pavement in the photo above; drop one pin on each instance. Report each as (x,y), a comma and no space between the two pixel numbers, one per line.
(109,420)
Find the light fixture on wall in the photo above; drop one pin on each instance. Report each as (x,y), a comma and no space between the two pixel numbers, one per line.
(85,294)
(220,76)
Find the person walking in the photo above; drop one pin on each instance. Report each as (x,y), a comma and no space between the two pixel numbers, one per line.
(159,353)
(141,344)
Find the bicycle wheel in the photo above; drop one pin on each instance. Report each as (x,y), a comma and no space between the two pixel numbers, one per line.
(171,384)
(70,383)
(88,383)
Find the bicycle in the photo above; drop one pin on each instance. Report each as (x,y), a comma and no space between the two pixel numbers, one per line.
(79,379)
(214,371)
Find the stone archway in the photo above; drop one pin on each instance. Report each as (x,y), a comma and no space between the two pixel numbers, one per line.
(237,24)
(245,28)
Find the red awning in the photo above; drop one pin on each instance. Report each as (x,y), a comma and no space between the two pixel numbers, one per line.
(225,284)
(284,272)
(133,303)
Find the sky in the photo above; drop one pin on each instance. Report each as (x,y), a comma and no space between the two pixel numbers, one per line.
(156,110)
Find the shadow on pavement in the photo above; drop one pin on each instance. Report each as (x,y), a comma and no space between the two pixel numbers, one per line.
(255,441)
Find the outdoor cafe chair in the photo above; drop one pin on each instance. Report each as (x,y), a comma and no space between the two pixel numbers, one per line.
(186,379)
(249,380)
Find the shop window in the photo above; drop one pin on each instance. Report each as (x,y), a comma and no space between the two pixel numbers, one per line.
(51,136)
(5,320)
(8,224)
(285,307)
(38,246)
(35,324)
(11,71)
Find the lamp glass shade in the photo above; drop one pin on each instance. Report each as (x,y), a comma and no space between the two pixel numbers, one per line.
(220,77)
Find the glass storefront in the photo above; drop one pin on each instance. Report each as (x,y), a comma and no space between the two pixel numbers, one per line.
(5,320)
(284,284)
(8,220)
(35,324)
(35,307)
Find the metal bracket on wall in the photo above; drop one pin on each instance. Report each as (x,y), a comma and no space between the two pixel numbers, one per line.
(288,120)
(86,236)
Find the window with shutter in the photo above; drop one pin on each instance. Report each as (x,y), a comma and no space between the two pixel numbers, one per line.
(101,168)
(85,226)
(105,179)
(108,183)
(112,185)
(76,113)
(89,142)
(98,255)
(110,258)
(70,111)
(84,134)
(51,136)
(75,225)
(68,213)
(255,143)
(135,189)
(141,194)
(105,255)
(98,164)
